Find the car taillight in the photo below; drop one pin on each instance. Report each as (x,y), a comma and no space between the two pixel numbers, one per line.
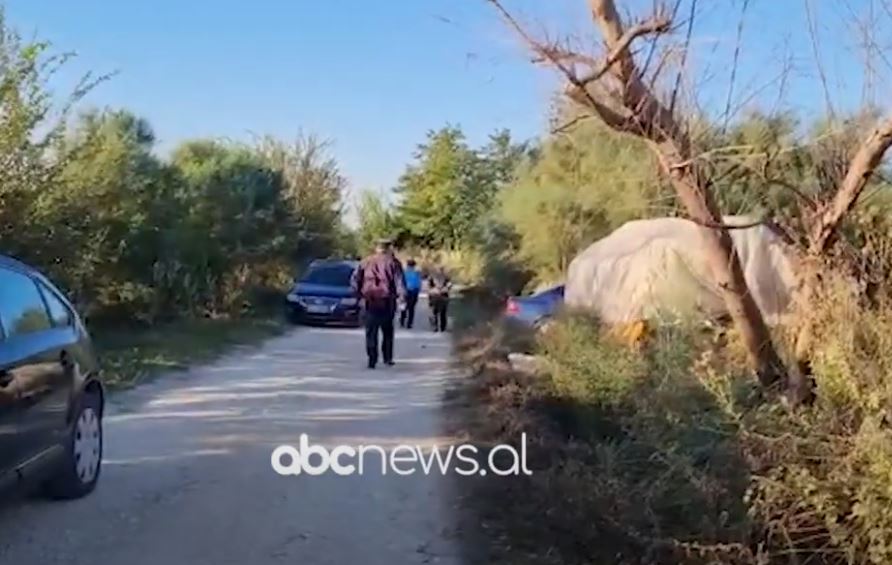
(512,307)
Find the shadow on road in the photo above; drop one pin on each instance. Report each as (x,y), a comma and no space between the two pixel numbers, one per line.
(188,462)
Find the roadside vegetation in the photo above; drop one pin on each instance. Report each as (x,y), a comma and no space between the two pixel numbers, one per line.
(708,441)
(139,354)
(169,258)
(672,453)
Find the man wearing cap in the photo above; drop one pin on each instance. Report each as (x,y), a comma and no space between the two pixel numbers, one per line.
(378,282)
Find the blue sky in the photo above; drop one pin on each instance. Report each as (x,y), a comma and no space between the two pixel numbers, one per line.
(374,76)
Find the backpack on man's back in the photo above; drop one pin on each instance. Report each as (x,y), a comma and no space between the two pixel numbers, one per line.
(378,285)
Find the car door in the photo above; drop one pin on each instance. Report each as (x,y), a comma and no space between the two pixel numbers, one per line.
(9,411)
(34,360)
(50,405)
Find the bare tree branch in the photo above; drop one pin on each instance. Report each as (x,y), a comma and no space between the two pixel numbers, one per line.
(727,114)
(816,51)
(859,172)
(577,90)
(684,55)
(656,25)
(652,118)
(723,226)
(664,59)
(786,69)
(554,52)
(654,40)
(569,124)
(625,103)
(870,44)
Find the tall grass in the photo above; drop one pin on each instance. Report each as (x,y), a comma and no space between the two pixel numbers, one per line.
(672,454)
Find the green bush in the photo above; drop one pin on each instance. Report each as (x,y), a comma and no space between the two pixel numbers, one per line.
(822,475)
(578,187)
(586,366)
(653,465)
(672,454)
(132,237)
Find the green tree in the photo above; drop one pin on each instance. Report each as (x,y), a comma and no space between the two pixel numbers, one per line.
(312,193)
(431,188)
(105,198)
(132,236)
(450,186)
(490,169)
(31,125)
(578,187)
(376,220)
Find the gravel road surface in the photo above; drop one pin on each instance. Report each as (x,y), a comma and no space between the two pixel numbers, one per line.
(187,477)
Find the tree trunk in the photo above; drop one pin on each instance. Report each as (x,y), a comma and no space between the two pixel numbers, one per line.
(800,388)
(655,121)
(629,105)
(822,235)
(861,168)
(724,263)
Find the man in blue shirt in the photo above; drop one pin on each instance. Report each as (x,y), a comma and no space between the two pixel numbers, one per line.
(413,288)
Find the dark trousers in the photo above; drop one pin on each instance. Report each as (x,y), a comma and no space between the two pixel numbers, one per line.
(407,316)
(439,307)
(379,319)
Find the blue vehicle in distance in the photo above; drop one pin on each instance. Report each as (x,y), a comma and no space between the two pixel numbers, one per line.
(534,309)
(323,295)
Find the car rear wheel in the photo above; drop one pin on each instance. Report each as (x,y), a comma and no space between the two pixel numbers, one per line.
(81,464)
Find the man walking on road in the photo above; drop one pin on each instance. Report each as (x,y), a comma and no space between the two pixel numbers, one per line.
(438,287)
(413,289)
(379,283)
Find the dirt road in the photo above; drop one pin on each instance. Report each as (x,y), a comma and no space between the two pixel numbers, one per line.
(187,477)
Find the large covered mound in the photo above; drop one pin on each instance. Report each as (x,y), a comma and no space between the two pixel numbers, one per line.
(656,268)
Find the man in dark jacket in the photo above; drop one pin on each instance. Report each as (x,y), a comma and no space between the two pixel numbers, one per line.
(438,287)
(378,282)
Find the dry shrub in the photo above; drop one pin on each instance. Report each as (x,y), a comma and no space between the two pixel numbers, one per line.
(633,461)
(818,476)
(464,265)
(672,454)
(586,367)
(821,475)
(665,472)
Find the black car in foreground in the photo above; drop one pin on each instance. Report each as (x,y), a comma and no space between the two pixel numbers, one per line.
(51,399)
(323,296)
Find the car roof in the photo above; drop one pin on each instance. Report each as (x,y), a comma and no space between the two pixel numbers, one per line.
(16,265)
(9,262)
(334,263)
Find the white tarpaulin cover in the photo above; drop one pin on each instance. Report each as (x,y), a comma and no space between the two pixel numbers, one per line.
(656,268)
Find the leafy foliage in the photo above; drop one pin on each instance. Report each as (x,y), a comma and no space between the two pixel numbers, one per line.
(135,237)
(578,187)
(376,220)
(450,187)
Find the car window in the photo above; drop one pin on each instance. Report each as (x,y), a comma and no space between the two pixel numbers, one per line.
(59,313)
(22,310)
(338,275)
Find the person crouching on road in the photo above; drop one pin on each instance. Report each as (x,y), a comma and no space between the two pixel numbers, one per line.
(413,289)
(378,282)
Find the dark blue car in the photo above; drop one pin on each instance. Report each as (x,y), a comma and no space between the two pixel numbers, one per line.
(323,296)
(534,309)
(51,398)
